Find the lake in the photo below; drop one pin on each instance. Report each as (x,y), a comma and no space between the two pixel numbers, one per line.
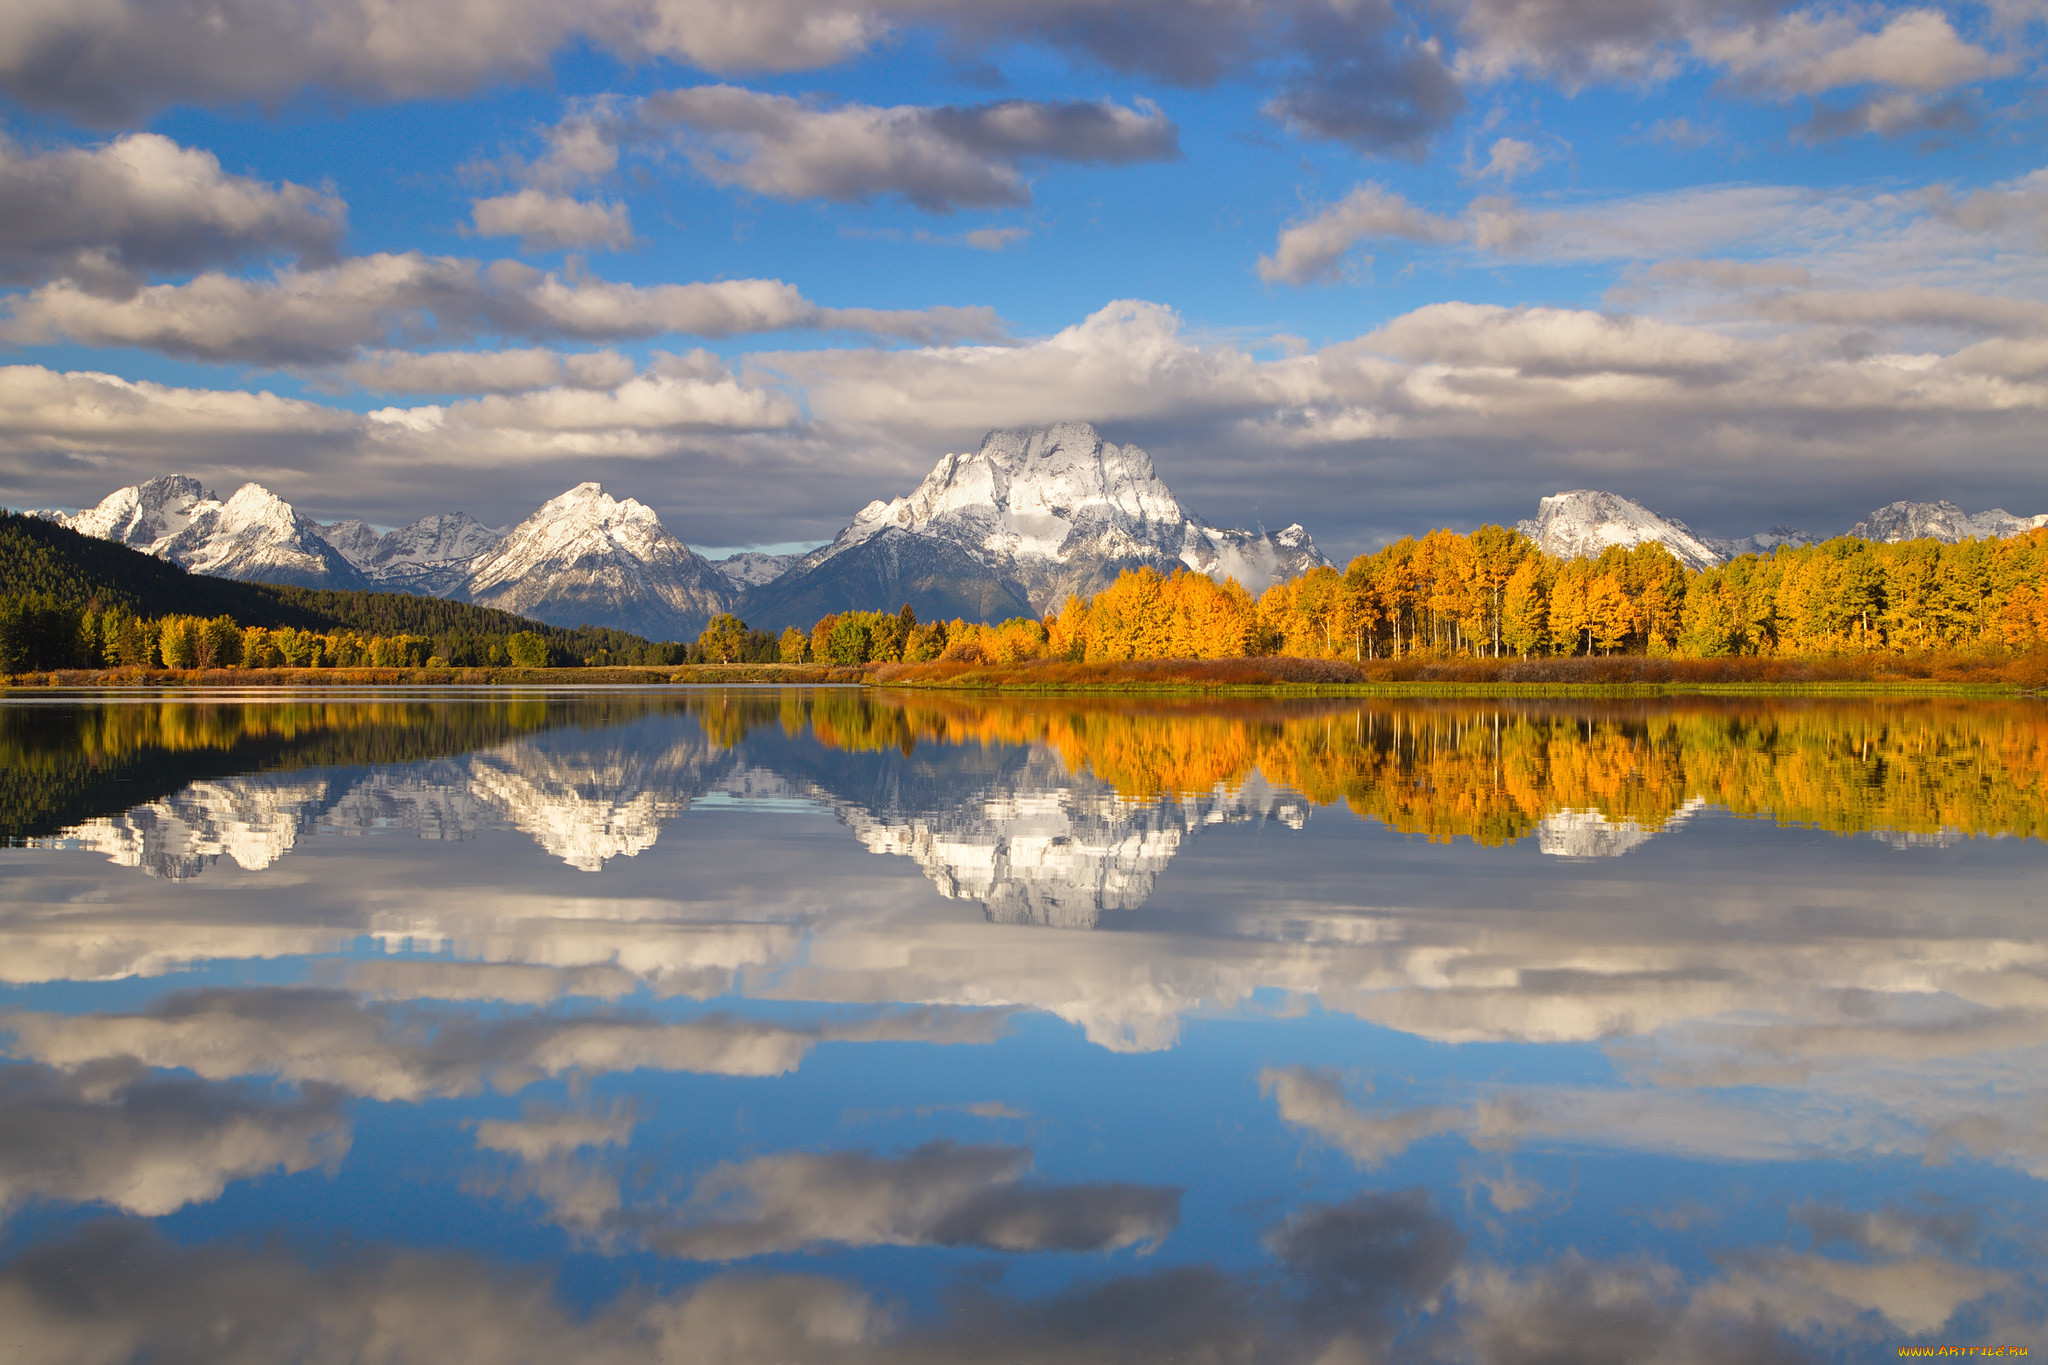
(785,1025)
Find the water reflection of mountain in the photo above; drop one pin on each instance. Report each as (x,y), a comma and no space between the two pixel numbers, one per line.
(1045,813)
(1007,827)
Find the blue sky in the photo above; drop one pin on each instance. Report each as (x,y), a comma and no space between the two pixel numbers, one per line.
(1370,267)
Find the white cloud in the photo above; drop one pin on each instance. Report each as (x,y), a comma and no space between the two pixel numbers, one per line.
(1509,158)
(1808,51)
(487,371)
(142,203)
(547,222)
(313,317)
(1815,51)
(118,61)
(937,157)
(1310,250)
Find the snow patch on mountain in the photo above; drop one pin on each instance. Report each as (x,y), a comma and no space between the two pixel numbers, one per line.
(1943,521)
(588,558)
(254,535)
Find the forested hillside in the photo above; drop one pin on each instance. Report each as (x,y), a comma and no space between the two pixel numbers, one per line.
(53,581)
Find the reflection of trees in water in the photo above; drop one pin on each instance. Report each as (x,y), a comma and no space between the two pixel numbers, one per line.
(66,763)
(1494,772)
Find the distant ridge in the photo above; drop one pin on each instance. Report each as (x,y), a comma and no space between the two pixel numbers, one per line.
(38,555)
(1007,530)
(1585,521)
(1942,521)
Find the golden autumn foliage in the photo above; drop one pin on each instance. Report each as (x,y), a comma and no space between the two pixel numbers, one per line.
(1493,594)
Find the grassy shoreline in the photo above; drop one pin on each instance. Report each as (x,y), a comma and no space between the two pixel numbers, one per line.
(1624,676)
(1627,676)
(807,675)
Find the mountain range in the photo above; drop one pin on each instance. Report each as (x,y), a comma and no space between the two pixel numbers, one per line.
(1585,521)
(1007,530)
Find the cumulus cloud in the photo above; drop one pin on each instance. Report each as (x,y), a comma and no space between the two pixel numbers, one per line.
(678,395)
(938,157)
(548,222)
(323,316)
(331,1038)
(1310,250)
(115,63)
(1815,51)
(1510,157)
(487,371)
(1763,49)
(1366,78)
(110,1133)
(44,411)
(110,213)
(1359,73)
(1891,115)
(937,1195)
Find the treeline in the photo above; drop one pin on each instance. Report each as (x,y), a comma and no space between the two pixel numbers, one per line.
(1493,593)
(52,579)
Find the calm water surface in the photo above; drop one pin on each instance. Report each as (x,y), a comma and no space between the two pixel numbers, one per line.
(763,1026)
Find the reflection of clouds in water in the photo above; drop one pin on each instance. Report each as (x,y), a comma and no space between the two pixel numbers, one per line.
(109,1132)
(331,1038)
(1371,1278)
(938,1195)
(1856,1113)
(1880,1017)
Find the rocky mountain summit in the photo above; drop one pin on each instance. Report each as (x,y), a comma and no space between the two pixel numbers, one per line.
(436,555)
(1586,521)
(751,569)
(1940,521)
(586,558)
(255,535)
(1012,528)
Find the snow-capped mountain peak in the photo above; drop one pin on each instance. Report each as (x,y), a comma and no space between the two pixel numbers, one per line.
(752,568)
(587,557)
(1941,521)
(254,535)
(1585,521)
(1015,526)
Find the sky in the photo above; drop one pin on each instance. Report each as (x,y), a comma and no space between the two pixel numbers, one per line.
(1368,266)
